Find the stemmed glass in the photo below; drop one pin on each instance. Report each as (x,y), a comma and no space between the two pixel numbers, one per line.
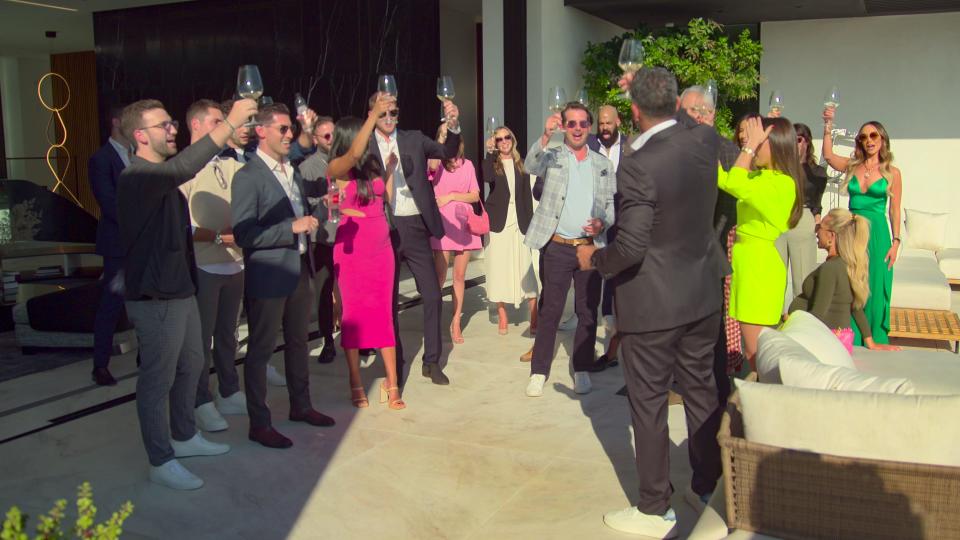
(556,99)
(710,89)
(832,98)
(631,55)
(583,98)
(776,102)
(445,91)
(387,84)
(492,124)
(249,84)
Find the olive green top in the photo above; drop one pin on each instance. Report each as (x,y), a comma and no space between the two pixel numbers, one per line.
(827,295)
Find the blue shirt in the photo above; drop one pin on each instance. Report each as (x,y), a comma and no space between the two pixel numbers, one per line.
(578,203)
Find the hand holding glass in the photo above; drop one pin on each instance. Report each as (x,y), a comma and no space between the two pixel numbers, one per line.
(445,91)
(832,98)
(249,83)
(387,85)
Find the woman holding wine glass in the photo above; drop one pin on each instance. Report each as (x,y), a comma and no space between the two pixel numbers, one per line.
(455,186)
(871,180)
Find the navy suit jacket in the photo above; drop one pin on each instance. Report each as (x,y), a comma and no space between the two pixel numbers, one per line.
(104,169)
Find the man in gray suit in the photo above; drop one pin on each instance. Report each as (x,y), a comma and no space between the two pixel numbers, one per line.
(577,187)
(272,222)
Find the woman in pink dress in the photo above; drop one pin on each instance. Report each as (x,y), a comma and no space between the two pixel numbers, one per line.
(455,186)
(456,189)
(363,259)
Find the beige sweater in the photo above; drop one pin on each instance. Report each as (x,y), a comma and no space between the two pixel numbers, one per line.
(208,195)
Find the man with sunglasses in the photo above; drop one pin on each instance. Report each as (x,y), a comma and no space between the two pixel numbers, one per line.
(314,172)
(272,222)
(415,218)
(160,283)
(577,188)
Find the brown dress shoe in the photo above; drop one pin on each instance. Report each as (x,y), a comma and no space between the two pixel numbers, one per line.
(269,437)
(527,356)
(312,417)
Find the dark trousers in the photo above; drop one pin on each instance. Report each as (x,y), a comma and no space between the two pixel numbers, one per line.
(265,317)
(219,298)
(108,313)
(651,361)
(559,267)
(720,367)
(412,243)
(606,305)
(323,283)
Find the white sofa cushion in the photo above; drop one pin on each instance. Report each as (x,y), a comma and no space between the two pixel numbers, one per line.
(918,282)
(930,372)
(925,230)
(772,347)
(801,373)
(814,336)
(949,262)
(912,429)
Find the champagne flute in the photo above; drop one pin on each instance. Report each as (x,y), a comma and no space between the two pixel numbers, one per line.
(832,98)
(583,98)
(556,99)
(776,102)
(445,91)
(387,84)
(249,84)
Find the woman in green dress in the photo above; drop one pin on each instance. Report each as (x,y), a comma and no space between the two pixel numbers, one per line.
(871,180)
(769,202)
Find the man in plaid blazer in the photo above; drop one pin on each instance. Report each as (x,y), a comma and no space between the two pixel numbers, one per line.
(576,208)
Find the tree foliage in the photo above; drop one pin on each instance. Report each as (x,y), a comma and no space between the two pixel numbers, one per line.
(50,525)
(699,52)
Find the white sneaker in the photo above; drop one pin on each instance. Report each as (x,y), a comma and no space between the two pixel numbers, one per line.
(610,325)
(697,502)
(633,521)
(198,446)
(535,386)
(570,324)
(173,475)
(581,382)
(274,377)
(235,403)
(208,418)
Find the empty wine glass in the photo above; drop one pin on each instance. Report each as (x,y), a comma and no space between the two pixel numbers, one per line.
(249,84)
(492,124)
(445,91)
(710,89)
(583,98)
(556,99)
(387,84)
(832,97)
(631,55)
(776,102)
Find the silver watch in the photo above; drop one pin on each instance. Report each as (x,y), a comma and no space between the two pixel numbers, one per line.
(218,240)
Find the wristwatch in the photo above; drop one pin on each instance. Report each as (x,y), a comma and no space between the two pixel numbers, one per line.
(218,240)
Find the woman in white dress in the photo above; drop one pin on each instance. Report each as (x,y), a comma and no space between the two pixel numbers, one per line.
(509,203)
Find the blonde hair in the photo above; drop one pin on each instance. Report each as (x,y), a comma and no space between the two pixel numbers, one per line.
(852,235)
(860,156)
(517,160)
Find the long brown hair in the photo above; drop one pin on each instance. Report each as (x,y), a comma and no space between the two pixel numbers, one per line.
(784,159)
(455,162)
(517,160)
(853,235)
(803,132)
(860,155)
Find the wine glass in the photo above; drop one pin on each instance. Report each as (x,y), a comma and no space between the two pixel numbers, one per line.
(583,98)
(776,102)
(710,89)
(249,84)
(556,99)
(832,97)
(631,55)
(387,84)
(445,91)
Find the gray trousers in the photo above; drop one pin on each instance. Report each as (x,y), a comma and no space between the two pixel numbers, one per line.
(798,249)
(219,298)
(264,317)
(171,357)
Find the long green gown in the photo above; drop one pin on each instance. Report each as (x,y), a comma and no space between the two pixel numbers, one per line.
(873,206)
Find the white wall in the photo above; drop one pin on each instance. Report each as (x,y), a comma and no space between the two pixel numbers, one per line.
(557,35)
(24,119)
(900,70)
(458,59)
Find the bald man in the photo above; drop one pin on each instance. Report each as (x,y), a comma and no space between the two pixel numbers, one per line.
(608,141)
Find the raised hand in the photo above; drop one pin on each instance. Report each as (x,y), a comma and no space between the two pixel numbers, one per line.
(756,135)
(383,104)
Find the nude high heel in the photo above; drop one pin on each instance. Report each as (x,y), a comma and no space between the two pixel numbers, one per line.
(395,404)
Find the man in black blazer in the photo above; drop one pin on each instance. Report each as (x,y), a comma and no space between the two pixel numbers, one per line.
(668,296)
(415,217)
(104,169)
(272,222)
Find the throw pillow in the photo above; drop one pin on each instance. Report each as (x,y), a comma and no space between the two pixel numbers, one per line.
(802,373)
(772,347)
(814,336)
(925,230)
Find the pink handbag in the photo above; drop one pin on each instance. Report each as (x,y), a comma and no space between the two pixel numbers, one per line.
(478,225)
(845,335)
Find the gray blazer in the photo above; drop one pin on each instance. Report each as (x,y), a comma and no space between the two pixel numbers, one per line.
(262,227)
(552,177)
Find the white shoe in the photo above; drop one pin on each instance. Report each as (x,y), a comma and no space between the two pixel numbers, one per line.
(235,403)
(198,446)
(610,325)
(208,418)
(570,324)
(633,521)
(535,386)
(173,475)
(697,502)
(581,382)
(274,377)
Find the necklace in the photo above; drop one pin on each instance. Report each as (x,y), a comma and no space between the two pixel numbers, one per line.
(866,173)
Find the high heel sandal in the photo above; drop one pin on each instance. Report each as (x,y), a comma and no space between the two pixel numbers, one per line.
(456,339)
(359,402)
(395,404)
(502,326)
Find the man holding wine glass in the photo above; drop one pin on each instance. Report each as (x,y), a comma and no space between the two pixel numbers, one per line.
(414,213)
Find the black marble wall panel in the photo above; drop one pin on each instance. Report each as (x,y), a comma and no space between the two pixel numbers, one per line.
(515,68)
(331,51)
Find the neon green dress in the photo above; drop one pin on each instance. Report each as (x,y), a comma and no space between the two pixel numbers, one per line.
(764,201)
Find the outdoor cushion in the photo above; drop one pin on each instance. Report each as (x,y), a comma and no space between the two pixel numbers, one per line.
(925,230)
(949,262)
(772,347)
(813,335)
(801,373)
(918,282)
(930,372)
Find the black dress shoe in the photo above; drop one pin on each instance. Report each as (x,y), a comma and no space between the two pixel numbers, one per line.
(435,374)
(102,377)
(601,364)
(328,354)
(368,352)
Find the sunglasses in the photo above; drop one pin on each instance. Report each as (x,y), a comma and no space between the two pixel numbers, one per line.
(584,124)
(166,126)
(498,140)
(284,129)
(872,136)
(327,136)
(394,113)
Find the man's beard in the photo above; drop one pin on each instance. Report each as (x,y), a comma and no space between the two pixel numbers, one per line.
(608,138)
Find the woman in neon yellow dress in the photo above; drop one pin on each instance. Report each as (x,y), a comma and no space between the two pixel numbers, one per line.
(769,203)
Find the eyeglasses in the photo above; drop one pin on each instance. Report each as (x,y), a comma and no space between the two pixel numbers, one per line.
(801,139)
(872,136)
(394,113)
(327,136)
(166,126)
(584,124)
(498,140)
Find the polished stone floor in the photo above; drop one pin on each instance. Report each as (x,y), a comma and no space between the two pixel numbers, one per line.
(477,459)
